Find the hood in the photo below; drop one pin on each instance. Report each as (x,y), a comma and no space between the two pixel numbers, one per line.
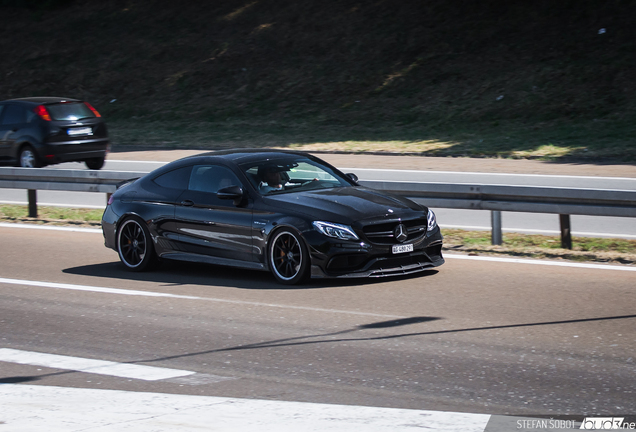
(345,205)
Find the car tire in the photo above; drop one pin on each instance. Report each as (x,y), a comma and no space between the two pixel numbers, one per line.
(288,257)
(95,163)
(134,245)
(27,158)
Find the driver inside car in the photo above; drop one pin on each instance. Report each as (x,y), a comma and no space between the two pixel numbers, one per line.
(271,180)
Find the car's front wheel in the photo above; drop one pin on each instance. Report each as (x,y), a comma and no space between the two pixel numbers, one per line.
(134,245)
(28,158)
(288,257)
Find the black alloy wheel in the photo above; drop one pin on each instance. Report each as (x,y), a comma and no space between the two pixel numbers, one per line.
(134,245)
(288,257)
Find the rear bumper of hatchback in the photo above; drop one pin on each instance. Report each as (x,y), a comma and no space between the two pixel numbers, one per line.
(71,151)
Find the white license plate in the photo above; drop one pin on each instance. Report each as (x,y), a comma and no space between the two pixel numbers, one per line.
(80,131)
(402,248)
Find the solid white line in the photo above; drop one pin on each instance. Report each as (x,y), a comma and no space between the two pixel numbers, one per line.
(54,228)
(135,162)
(101,367)
(541,262)
(62,409)
(492,174)
(94,289)
(437,172)
(176,296)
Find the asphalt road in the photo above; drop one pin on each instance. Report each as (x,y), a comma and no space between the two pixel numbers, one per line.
(475,336)
(370,167)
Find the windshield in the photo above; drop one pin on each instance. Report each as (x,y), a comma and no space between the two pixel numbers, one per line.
(292,174)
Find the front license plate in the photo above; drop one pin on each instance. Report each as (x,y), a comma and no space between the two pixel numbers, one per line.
(402,248)
(80,131)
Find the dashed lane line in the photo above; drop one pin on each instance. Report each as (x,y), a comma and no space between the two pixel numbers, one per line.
(100,367)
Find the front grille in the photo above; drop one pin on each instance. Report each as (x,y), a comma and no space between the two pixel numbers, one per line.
(384,233)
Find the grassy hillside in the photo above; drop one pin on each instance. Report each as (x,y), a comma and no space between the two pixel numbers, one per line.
(457,77)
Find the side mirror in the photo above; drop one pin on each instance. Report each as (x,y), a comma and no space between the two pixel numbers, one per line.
(231,193)
(353,177)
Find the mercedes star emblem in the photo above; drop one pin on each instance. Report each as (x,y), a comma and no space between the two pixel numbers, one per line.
(401,233)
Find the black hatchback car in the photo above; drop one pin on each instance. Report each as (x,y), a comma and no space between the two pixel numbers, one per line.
(40,131)
(287,212)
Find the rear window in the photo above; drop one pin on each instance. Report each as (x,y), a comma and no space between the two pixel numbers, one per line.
(70,111)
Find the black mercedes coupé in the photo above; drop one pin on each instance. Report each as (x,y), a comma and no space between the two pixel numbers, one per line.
(287,212)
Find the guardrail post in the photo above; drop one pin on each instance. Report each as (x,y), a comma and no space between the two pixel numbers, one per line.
(33,203)
(566,233)
(495,218)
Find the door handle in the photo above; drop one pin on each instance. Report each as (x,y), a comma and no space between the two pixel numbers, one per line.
(187,203)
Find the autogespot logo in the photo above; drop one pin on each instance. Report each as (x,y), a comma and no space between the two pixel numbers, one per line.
(607,423)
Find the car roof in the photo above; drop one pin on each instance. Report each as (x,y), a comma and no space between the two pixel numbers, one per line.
(43,100)
(240,156)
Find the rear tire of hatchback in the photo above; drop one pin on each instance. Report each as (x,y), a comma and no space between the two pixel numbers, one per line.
(95,163)
(27,158)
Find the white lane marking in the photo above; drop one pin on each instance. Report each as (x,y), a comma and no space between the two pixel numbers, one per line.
(176,296)
(560,176)
(53,228)
(95,289)
(63,409)
(436,172)
(540,231)
(541,262)
(135,162)
(101,367)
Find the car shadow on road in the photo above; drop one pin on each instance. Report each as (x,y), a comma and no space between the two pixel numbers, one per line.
(185,273)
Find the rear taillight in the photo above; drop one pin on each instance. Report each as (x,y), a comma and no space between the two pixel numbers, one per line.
(41,111)
(97,114)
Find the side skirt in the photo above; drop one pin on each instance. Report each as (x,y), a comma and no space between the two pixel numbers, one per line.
(180,256)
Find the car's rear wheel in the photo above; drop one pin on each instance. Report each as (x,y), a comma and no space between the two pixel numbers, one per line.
(134,245)
(288,257)
(95,163)
(28,158)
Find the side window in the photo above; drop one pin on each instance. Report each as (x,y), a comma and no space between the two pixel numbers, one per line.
(1,109)
(175,179)
(211,178)
(14,114)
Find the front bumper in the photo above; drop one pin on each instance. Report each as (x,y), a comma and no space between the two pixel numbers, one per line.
(337,260)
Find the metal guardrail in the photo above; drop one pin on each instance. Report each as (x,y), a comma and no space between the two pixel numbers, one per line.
(64,179)
(533,199)
(496,198)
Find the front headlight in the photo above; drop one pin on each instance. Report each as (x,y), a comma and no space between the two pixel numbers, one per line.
(342,232)
(432,221)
